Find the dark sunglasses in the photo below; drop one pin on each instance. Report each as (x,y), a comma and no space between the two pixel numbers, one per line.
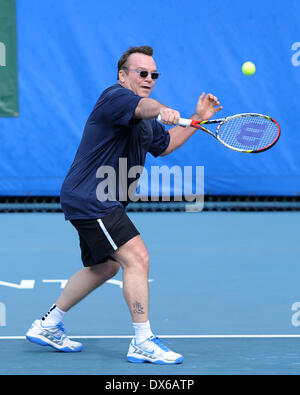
(144,73)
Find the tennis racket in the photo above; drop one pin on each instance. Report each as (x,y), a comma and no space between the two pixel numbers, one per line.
(248,133)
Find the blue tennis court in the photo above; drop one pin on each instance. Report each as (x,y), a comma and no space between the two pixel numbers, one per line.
(222,291)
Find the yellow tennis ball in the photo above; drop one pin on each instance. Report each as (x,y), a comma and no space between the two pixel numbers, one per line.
(248,68)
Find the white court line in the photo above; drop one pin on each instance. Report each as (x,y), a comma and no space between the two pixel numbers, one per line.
(170,337)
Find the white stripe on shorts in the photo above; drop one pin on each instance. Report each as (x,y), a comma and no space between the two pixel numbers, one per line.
(108,236)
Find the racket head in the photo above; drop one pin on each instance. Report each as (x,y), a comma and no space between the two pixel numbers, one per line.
(248,133)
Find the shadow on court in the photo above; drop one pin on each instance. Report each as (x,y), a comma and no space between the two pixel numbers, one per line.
(246,356)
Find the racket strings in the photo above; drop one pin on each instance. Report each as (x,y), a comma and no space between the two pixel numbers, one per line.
(248,132)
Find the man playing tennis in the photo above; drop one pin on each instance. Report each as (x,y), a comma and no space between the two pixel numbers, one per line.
(122,125)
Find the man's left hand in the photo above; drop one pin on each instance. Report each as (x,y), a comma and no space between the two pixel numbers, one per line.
(207,106)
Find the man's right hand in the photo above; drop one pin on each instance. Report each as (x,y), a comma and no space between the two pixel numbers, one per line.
(169,116)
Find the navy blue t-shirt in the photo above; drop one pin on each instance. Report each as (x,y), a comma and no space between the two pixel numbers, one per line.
(110,133)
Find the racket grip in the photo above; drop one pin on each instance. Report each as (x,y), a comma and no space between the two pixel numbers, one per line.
(182,121)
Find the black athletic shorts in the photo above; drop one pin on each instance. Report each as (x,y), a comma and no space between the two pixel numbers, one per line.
(99,238)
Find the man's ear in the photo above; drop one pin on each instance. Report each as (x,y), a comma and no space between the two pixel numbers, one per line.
(122,76)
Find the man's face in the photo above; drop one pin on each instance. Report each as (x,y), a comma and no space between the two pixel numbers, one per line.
(131,79)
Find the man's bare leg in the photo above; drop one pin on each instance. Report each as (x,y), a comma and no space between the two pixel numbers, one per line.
(84,282)
(134,259)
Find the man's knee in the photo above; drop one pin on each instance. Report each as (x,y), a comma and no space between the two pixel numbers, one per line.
(138,260)
(142,259)
(133,254)
(106,270)
(112,268)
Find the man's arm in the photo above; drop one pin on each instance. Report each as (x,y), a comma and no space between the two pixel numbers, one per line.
(147,109)
(150,108)
(207,106)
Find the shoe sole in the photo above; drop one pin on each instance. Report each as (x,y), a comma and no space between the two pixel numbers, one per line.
(158,362)
(41,342)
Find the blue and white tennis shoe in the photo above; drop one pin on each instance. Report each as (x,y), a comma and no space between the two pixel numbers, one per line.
(53,336)
(152,350)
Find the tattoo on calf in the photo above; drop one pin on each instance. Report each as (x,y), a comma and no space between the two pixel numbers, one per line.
(138,308)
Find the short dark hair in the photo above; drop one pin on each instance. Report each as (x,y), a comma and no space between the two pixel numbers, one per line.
(145,49)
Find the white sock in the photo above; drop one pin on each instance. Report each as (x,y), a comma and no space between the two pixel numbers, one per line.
(142,331)
(53,317)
